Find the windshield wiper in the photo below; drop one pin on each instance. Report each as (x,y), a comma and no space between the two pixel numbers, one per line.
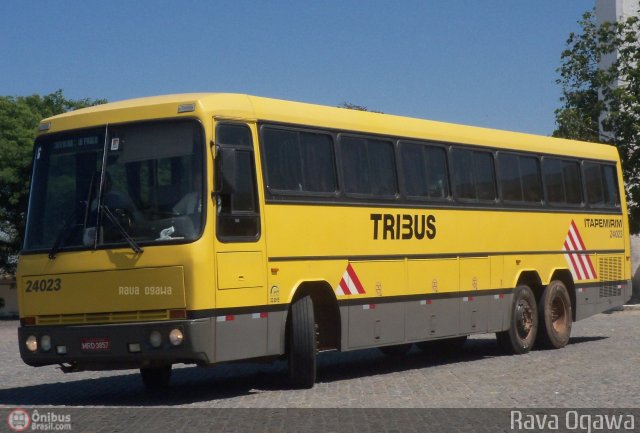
(133,244)
(63,234)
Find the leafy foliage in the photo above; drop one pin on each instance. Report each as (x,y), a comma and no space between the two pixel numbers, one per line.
(19,118)
(603,104)
(350,106)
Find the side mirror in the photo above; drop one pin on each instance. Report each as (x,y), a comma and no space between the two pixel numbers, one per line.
(225,175)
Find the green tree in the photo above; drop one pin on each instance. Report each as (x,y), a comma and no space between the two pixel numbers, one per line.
(350,106)
(19,118)
(603,104)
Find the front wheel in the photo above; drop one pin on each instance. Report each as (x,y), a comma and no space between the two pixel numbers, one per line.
(523,327)
(302,344)
(555,316)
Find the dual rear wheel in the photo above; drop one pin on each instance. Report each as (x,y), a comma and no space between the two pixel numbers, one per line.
(546,322)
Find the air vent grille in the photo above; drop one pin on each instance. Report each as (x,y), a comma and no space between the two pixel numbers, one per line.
(610,275)
(117,317)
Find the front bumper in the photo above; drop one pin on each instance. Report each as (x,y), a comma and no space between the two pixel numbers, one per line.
(196,347)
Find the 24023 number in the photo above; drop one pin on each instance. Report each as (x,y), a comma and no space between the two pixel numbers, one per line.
(48,285)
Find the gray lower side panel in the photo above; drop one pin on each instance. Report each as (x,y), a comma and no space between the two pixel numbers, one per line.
(594,299)
(390,323)
(247,336)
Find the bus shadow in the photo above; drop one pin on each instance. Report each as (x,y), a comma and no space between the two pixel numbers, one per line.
(579,340)
(192,385)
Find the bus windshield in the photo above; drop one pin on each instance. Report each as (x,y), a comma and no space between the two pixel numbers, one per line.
(138,183)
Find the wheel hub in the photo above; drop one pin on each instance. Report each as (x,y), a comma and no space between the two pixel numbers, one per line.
(524,319)
(558,314)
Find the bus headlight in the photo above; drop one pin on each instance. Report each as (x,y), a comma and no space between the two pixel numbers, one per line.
(45,343)
(176,337)
(31,343)
(155,338)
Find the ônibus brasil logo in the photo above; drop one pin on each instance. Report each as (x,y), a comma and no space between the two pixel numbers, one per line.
(18,420)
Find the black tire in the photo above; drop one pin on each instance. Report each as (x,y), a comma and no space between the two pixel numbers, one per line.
(555,316)
(521,335)
(302,344)
(395,351)
(445,347)
(156,378)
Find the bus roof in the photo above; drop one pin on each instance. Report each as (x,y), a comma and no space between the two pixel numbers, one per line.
(252,108)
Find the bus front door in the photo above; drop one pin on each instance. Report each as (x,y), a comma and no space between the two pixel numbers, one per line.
(240,252)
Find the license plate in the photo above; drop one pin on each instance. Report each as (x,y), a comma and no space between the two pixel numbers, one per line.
(95,344)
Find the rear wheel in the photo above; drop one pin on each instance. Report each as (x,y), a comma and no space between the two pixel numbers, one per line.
(302,344)
(555,316)
(520,336)
(156,378)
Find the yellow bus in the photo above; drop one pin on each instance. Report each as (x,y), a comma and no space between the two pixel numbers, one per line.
(209,228)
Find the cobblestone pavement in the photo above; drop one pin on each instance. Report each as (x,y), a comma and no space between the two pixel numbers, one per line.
(599,368)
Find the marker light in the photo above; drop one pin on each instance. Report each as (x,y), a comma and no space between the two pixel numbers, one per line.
(32,343)
(186,108)
(45,343)
(176,337)
(155,338)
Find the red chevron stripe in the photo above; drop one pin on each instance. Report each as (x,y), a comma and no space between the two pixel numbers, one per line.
(355,279)
(345,287)
(575,267)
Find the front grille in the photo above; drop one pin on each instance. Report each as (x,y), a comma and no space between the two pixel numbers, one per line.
(610,268)
(117,317)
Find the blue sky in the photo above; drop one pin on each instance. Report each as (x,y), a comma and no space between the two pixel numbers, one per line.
(488,63)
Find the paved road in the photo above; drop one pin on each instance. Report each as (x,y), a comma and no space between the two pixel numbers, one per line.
(599,368)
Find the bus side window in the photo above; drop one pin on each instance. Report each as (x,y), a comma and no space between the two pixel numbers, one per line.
(519,178)
(601,184)
(473,172)
(237,200)
(424,169)
(368,166)
(297,161)
(611,188)
(562,181)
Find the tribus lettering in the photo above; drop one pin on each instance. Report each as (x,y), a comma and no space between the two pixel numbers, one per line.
(403,226)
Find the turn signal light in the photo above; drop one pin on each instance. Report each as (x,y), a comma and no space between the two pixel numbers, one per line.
(28,321)
(177,314)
